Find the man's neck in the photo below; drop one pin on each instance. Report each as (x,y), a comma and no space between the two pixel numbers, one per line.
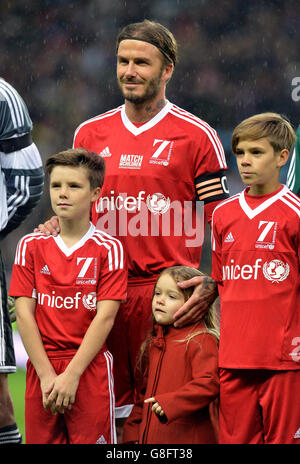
(139,113)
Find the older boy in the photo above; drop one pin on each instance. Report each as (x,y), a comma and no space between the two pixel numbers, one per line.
(256,248)
(68,290)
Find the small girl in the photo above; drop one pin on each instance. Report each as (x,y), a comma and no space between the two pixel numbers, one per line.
(180,366)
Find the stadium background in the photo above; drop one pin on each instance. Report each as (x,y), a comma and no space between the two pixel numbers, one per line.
(236,58)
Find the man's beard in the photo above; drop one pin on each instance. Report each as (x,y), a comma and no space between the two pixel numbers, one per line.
(151,91)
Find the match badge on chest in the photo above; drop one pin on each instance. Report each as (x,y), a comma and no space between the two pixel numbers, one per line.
(130,161)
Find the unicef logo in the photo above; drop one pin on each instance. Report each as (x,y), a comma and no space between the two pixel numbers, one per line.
(276,270)
(158,203)
(89,301)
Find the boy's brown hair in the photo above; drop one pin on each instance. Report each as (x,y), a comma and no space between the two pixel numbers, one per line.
(273,126)
(76,157)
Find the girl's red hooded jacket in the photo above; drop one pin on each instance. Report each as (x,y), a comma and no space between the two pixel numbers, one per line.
(183,377)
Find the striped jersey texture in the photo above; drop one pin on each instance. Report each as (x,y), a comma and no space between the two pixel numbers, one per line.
(21,172)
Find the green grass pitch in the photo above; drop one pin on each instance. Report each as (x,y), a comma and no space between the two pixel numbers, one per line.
(17,390)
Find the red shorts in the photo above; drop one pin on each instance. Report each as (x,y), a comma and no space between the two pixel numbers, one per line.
(259,406)
(132,324)
(91,419)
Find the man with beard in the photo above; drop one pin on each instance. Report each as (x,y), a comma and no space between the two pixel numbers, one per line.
(162,164)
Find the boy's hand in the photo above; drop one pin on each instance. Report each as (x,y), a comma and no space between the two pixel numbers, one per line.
(50,227)
(47,384)
(156,406)
(63,393)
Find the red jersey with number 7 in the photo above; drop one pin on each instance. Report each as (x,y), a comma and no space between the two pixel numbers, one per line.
(255,260)
(68,282)
(158,176)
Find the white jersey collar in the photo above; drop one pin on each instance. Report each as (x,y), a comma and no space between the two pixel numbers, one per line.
(69,250)
(149,124)
(251,213)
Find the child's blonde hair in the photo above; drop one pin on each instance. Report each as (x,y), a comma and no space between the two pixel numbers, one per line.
(210,318)
(273,126)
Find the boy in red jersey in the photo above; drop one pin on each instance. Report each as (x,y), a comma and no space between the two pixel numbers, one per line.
(68,290)
(255,261)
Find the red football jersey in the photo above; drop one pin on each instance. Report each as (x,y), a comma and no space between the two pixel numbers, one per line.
(255,259)
(67,282)
(155,172)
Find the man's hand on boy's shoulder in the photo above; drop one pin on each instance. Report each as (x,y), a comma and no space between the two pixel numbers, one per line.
(197,305)
(50,227)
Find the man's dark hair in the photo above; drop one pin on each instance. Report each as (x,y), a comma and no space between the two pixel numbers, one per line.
(154,33)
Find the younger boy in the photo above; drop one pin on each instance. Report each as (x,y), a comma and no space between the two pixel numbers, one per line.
(256,248)
(68,290)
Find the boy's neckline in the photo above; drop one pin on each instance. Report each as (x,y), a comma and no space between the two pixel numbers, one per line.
(263,195)
(252,205)
(68,250)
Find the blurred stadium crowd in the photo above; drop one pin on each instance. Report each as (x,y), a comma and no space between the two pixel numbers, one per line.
(236,58)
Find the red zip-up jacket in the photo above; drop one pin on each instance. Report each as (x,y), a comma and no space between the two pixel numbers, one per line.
(183,378)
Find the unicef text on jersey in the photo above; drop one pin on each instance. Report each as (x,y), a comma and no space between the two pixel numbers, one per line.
(275,270)
(152,215)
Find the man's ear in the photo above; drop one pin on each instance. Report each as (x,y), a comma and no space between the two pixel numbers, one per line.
(168,71)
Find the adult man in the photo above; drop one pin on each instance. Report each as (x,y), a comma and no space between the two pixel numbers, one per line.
(21,186)
(160,159)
